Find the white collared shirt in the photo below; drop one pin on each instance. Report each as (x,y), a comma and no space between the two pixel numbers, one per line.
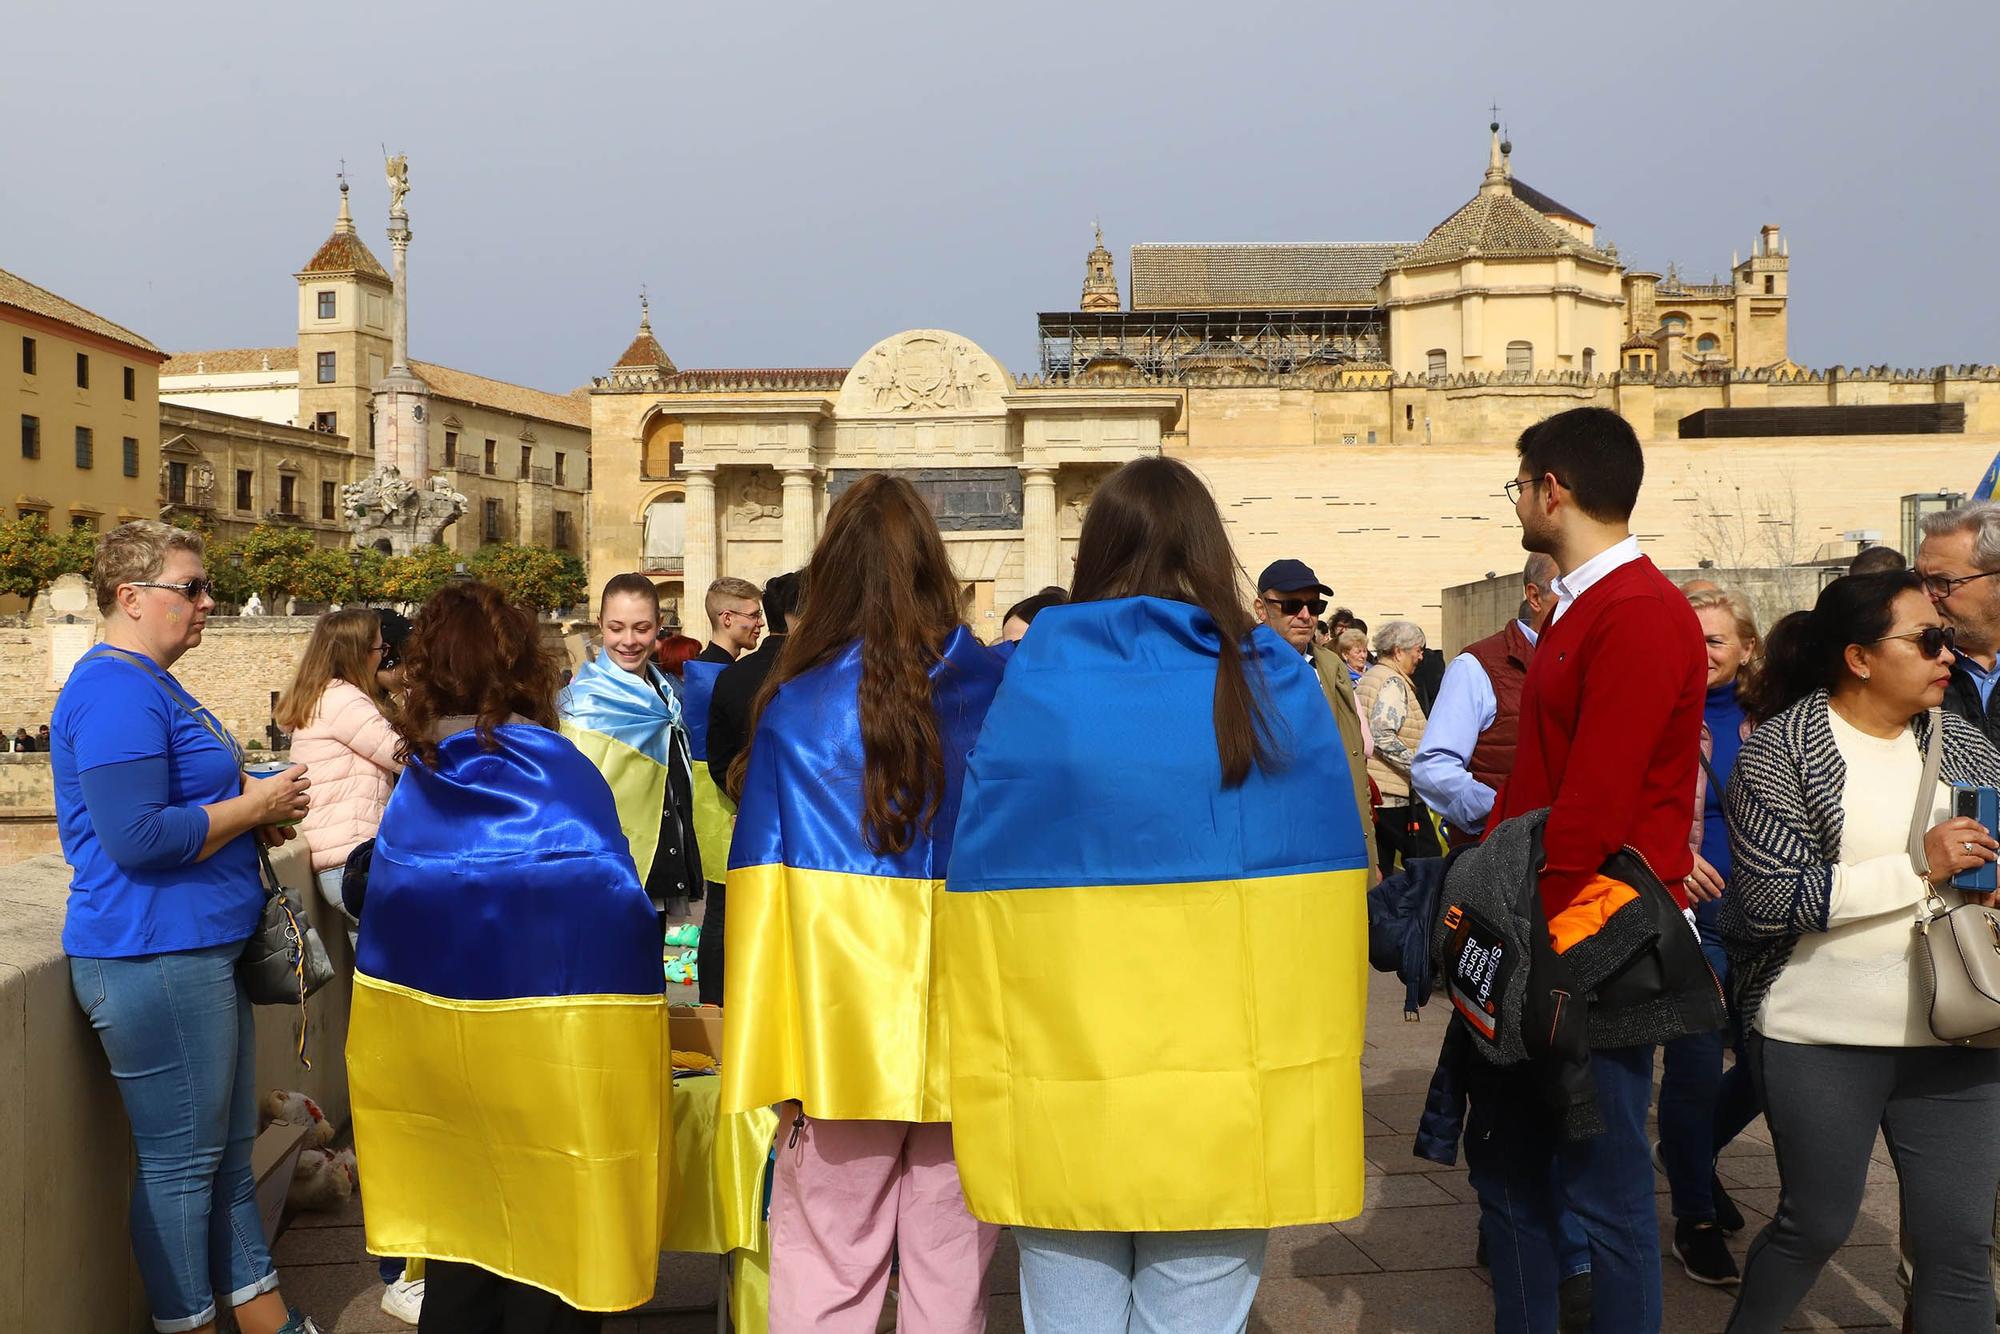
(1569,587)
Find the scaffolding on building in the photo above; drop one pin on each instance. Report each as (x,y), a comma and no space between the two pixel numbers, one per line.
(1167,344)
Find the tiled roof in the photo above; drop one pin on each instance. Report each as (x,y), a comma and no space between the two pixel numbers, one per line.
(21,294)
(1638,340)
(518,399)
(344,252)
(645,353)
(232,361)
(1499,225)
(1258,276)
(1541,203)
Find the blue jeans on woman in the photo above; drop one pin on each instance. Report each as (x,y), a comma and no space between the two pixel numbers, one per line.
(1139,1282)
(1702,1108)
(177,1029)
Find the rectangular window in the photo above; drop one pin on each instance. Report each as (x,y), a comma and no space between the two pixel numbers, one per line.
(243,488)
(85,521)
(527,461)
(86,447)
(491,531)
(177,483)
(562,530)
(326,500)
(559,469)
(31,437)
(130,452)
(492,457)
(131,384)
(288,494)
(27,356)
(83,370)
(1770,284)
(450,448)
(327,422)
(326,305)
(325,364)
(1434,362)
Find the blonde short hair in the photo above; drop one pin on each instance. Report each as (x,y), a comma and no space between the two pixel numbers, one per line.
(134,552)
(1348,640)
(1737,607)
(729,589)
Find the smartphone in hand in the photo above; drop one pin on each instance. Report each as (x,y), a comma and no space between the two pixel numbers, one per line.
(1981,804)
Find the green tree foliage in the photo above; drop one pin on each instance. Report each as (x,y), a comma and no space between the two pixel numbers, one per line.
(32,557)
(414,577)
(535,577)
(272,560)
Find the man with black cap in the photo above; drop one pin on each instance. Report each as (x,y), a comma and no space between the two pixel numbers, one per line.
(1291,599)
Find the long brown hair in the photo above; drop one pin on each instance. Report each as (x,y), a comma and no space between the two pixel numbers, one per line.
(880,575)
(1152,530)
(473,652)
(341,648)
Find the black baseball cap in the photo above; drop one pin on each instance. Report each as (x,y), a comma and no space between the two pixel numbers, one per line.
(1289,576)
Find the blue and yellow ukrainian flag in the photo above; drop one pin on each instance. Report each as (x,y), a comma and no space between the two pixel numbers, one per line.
(507,1050)
(714,812)
(831,995)
(1988,481)
(1156,985)
(626,726)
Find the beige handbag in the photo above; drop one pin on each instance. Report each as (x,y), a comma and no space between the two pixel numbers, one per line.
(1958,949)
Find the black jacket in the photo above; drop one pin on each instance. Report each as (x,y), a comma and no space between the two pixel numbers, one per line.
(715,653)
(1962,698)
(729,707)
(676,870)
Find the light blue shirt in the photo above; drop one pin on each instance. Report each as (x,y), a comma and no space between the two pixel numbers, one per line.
(1982,679)
(1442,771)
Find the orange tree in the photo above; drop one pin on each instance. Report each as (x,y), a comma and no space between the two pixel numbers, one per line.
(32,557)
(535,577)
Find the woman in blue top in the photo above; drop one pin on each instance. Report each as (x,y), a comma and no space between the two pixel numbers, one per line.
(1701,1108)
(158,823)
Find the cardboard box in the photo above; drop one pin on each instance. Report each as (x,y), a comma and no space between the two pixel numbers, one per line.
(696,1028)
(273,1159)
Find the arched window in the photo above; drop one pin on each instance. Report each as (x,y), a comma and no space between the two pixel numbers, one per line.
(666,533)
(1435,360)
(1677,323)
(1589,360)
(1520,356)
(1707,343)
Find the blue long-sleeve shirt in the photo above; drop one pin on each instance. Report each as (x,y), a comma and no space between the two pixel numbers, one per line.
(137,825)
(1442,771)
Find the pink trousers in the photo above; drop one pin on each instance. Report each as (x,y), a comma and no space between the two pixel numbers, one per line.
(847,1195)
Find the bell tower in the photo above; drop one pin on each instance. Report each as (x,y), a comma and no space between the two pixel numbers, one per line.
(1100,278)
(343,332)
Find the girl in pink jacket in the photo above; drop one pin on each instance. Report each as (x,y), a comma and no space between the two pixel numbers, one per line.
(334,711)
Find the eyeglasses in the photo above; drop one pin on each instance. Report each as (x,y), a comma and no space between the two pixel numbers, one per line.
(1931,641)
(754,617)
(1941,586)
(1514,490)
(194,590)
(1293,606)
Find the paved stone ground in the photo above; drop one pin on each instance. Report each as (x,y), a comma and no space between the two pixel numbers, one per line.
(1404,1265)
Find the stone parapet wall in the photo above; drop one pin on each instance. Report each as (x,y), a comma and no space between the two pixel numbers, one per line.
(27,807)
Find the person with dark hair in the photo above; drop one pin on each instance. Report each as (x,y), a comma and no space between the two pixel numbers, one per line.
(1824,893)
(848,797)
(506,1049)
(1959,560)
(1610,729)
(1877,560)
(721,731)
(1022,614)
(1142,1156)
(395,633)
(23,744)
(625,714)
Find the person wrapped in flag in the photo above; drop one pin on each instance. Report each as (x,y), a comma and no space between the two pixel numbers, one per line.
(507,1045)
(1153,939)
(626,716)
(846,802)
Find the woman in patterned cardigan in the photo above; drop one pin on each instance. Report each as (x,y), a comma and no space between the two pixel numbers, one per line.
(1818,916)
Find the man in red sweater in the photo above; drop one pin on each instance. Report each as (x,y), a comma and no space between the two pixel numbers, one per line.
(1609,743)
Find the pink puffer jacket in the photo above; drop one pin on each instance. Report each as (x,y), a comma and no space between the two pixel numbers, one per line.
(349,750)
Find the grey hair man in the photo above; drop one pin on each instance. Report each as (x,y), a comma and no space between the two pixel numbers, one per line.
(1475,723)
(1959,561)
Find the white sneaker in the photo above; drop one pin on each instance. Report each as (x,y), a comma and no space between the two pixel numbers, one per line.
(404,1299)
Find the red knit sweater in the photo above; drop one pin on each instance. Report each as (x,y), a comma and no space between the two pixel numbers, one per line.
(1611,732)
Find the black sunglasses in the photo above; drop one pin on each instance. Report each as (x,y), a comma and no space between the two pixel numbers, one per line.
(1931,641)
(194,590)
(1293,606)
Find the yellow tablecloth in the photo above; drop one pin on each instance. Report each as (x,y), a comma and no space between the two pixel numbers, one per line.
(717,1200)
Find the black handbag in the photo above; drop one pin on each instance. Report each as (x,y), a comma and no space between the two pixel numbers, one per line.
(354,877)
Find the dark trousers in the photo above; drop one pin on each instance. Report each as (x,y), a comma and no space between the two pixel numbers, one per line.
(1936,1107)
(708,953)
(1702,1106)
(1605,1186)
(465,1299)
(1403,833)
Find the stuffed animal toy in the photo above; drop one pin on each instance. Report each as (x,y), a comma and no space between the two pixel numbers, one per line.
(319,1182)
(291,1108)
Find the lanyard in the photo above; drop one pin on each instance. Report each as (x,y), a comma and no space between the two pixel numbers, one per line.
(167,683)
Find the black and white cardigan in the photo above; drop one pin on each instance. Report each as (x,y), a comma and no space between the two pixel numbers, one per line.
(1784,816)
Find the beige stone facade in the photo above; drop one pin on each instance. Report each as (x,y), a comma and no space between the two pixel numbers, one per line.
(520,456)
(233,473)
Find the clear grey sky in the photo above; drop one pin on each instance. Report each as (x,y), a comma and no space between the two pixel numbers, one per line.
(796,180)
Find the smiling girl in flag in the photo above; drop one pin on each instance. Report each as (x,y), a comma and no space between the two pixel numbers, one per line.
(846,805)
(1153,942)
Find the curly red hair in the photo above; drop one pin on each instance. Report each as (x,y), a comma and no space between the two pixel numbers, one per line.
(473,652)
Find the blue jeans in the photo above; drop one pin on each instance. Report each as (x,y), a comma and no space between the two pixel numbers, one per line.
(1138,1282)
(1690,1095)
(177,1029)
(1487,1149)
(1606,1183)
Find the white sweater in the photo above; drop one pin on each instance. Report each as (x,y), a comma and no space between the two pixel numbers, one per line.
(1856,984)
